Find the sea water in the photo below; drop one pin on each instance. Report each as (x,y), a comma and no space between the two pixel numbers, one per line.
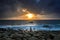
(52,25)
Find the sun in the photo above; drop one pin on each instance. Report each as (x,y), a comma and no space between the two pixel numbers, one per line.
(29,16)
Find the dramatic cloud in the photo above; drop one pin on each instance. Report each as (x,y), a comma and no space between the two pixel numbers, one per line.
(12,8)
(8,8)
(37,1)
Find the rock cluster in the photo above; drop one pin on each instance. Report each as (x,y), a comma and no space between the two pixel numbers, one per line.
(10,34)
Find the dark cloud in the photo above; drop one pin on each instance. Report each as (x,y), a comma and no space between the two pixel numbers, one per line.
(50,7)
(8,8)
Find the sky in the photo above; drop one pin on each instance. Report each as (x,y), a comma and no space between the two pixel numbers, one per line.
(44,9)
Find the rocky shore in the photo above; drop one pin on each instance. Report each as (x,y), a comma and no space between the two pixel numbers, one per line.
(10,34)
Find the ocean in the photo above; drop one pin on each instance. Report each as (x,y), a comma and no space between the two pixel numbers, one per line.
(47,25)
